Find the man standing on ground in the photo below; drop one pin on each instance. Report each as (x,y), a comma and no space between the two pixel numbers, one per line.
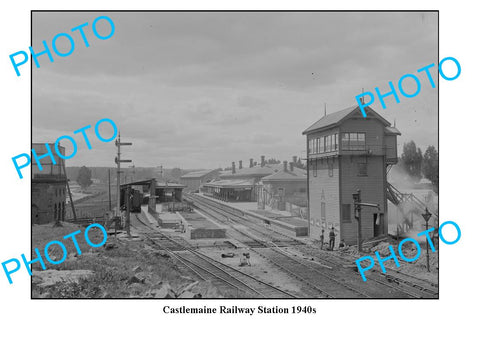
(322,238)
(332,238)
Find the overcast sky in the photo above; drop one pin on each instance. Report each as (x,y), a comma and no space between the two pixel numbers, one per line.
(200,90)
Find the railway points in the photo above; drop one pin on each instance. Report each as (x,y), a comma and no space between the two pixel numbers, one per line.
(281,264)
(205,267)
(380,288)
(257,231)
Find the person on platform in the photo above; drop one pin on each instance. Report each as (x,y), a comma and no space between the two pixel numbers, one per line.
(332,238)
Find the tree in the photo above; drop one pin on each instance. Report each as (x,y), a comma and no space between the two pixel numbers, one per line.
(299,163)
(412,160)
(273,161)
(84,178)
(176,173)
(430,166)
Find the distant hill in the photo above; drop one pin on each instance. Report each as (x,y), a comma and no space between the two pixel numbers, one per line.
(138,173)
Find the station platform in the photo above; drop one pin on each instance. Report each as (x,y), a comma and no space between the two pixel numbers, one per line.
(195,225)
(282,216)
(152,220)
(199,227)
(169,220)
(288,224)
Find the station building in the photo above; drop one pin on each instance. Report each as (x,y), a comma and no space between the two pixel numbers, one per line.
(347,152)
(169,192)
(163,192)
(255,173)
(286,186)
(246,184)
(193,180)
(230,190)
(48,186)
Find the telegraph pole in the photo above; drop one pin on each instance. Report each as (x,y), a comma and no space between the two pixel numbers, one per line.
(426,217)
(132,178)
(161,173)
(118,160)
(109,193)
(127,209)
(357,202)
(69,192)
(358,216)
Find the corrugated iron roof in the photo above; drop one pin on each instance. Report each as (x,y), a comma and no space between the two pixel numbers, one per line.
(230,183)
(335,118)
(258,171)
(254,171)
(170,185)
(197,174)
(159,184)
(392,130)
(286,176)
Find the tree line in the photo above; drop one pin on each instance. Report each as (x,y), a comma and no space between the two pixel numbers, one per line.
(418,164)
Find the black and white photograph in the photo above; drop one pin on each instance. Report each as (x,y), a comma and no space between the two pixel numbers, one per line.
(235,155)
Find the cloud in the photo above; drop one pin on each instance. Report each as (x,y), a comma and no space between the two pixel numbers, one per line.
(195,89)
(251,102)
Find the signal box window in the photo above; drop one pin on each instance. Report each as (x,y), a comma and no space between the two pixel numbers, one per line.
(353,141)
(346,213)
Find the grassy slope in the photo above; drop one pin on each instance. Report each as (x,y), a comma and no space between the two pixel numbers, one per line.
(112,268)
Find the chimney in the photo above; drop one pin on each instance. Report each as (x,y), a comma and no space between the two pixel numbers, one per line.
(285,166)
(233,168)
(263,161)
(291,166)
(239,165)
(294,158)
(251,162)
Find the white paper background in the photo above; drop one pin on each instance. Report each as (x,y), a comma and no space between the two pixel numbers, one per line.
(454,315)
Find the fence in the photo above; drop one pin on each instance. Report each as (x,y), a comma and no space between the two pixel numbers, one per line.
(87,210)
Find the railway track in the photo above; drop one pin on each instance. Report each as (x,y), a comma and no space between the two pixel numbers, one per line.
(411,285)
(207,268)
(394,280)
(380,286)
(317,279)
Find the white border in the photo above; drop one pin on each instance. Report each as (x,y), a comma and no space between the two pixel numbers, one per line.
(454,315)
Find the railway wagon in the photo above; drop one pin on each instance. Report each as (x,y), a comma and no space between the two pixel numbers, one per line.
(185,205)
(136,199)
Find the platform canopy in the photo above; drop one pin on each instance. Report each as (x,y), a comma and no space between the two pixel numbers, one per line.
(158,185)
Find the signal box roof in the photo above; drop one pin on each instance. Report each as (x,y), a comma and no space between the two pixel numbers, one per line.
(334,119)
